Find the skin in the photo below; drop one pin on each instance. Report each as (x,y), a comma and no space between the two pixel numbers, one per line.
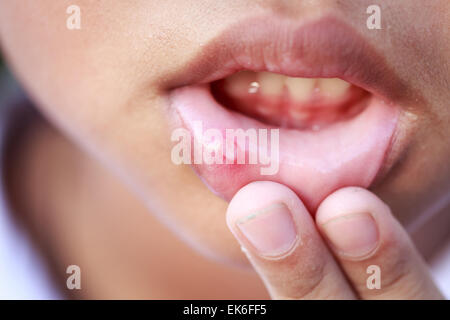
(104,94)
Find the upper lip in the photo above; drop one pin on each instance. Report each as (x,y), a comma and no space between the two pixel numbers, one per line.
(325,48)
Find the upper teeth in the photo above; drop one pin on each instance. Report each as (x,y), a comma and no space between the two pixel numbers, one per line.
(300,89)
(254,87)
(272,84)
(333,88)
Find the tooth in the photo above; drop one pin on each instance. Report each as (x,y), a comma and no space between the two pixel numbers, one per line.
(271,83)
(254,87)
(238,84)
(300,89)
(333,88)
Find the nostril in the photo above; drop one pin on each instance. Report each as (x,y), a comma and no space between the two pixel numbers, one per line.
(283,101)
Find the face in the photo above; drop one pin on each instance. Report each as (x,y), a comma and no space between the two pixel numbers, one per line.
(139,70)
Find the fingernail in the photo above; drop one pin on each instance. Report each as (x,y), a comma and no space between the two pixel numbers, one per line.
(270,231)
(354,235)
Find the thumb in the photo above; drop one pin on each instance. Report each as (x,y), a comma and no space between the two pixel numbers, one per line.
(281,241)
(366,238)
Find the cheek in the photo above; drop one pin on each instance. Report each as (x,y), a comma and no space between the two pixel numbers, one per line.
(98,87)
(86,82)
(79,74)
(56,65)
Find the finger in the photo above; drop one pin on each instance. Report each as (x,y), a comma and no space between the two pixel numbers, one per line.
(282,243)
(372,247)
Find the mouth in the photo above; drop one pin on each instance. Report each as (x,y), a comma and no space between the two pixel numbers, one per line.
(332,98)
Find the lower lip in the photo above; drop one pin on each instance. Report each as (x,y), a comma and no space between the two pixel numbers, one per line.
(313,164)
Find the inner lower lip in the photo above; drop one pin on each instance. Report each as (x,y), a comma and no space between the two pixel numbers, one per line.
(312,163)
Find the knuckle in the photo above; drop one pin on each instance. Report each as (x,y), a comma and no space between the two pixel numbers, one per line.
(304,283)
(397,270)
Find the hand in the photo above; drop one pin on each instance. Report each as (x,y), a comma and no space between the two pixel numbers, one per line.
(299,258)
